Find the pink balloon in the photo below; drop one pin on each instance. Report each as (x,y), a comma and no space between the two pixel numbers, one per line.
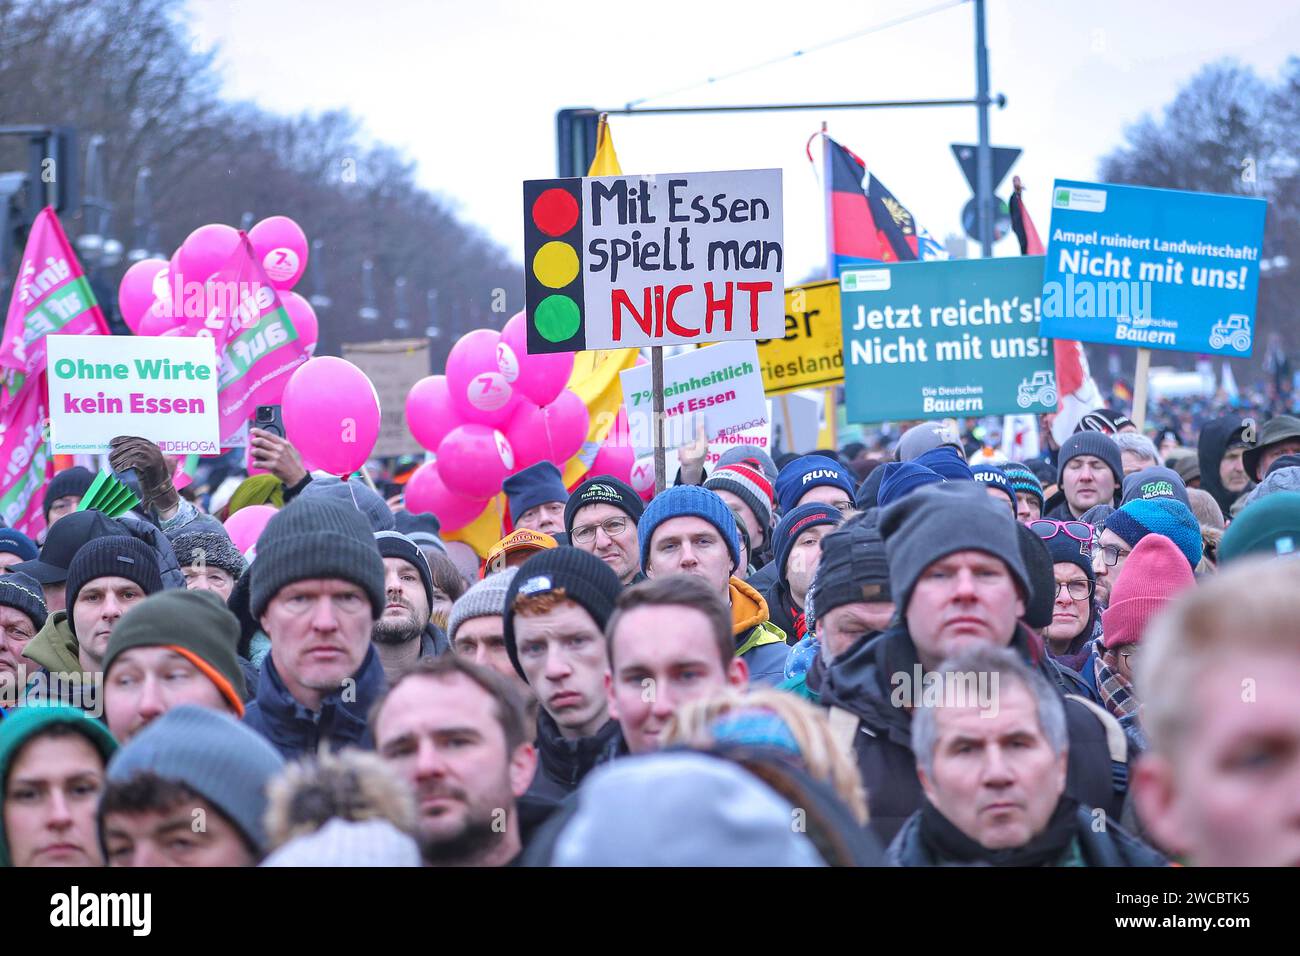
(642,478)
(139,288)
(539,378)
(429,413)
(426,491)
(613,460)
(281,247)
(473,460)
(331,414)
(554,433)
(205,251)
(245,526)
(303,317)
(479,391)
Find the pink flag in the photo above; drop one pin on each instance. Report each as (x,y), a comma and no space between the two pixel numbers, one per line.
(25,464)
(51,296)
(257,345)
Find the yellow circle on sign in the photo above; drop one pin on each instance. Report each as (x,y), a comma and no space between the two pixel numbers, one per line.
(555,265)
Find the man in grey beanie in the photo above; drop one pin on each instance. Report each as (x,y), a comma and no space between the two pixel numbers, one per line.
(192,765)
(958,579)
(317,589)
(1090,472)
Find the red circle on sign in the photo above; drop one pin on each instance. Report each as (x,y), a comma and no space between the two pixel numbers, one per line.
(555,211)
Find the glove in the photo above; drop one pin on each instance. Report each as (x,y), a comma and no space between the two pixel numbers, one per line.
(144,456)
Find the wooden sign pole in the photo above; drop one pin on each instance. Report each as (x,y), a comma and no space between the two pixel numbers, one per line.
(657,409)
(1140,388)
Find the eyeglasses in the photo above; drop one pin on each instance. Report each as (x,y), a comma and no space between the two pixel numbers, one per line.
(1078,590)
(587,533)
(1111,555)
(1046,528)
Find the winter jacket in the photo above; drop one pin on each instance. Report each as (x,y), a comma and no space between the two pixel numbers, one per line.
(1213,443)
(55,647)
(562,763)
(781,609)
(859,682)
(152,535)
(759,642)
(295,730)
(762,579)
(433,641)
(1113,846)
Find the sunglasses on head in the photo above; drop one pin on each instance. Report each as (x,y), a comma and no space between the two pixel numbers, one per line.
(1046,528)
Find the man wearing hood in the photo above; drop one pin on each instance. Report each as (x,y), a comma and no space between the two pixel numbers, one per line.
(1220,450)
(959,580)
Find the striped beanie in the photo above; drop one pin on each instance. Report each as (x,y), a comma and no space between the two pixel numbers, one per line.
(1023,481)
(1166,516)
(749,484)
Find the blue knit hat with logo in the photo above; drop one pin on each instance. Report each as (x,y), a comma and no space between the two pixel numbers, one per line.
(807,472)
(947,462)
(688,501)
(901,478)
(796,523)
(1166,516)
(1023,481)
(994,477)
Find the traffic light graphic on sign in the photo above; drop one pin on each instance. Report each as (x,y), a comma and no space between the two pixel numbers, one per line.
(553,261)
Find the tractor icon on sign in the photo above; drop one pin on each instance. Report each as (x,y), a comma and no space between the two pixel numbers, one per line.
(1041,388)
(1234,330)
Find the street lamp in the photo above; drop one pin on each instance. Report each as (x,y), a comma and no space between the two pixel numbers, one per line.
(402,321)
(369,311)
(431,301)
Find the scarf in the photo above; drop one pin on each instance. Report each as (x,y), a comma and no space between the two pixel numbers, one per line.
(1116,690)
(947,845)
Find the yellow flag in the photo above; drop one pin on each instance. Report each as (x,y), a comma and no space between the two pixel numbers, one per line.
(594,380)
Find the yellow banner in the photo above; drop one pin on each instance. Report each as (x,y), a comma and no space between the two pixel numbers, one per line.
(812,353)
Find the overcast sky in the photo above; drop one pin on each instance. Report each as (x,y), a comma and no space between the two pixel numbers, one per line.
(469,88)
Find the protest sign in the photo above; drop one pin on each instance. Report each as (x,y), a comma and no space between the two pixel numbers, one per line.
(25,464)
(811,354)
(162,389)
(674,258)
(939,339)
(720,386)
(1152,268)
(394,366)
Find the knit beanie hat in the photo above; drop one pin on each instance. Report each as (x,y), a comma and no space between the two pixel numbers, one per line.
(1155,482)
(23,593)
(1097,515)
(1067,550)
(796,523)
(583,577)
(1042,578)
(1166,516)
(13,541)
(74,481)
(1105,420)
(487,598)
(947,462)
(24,723)
(1023,481)
(257,490)
(316,538)
(1153,574)
(1093,443)
(393,544)
(66,537)
(603,490)
(688,501)
(535,485)
(423,528)
(117,556)
(853,567)
(194,549)
(807,472)
(353,493)
(753,454)
(222,760)
(868,493)
(750,485)
(900,478)
(1270,526)
(939,520)
(342,842)
(196,625)
(992,476)
(919,439)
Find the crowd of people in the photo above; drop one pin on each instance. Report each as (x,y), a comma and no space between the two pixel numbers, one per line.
(888,656)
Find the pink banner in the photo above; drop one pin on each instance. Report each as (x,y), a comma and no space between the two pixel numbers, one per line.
(257,345)
(51,296)
(25,464)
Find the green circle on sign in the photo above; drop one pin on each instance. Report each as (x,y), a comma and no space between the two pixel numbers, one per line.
(557,318)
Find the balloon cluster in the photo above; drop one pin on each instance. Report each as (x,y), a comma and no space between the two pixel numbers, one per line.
(158,297)
(496,411)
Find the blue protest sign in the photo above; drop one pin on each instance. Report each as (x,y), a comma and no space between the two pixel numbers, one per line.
(1152,268)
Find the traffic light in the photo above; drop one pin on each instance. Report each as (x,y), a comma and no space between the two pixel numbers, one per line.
(575,140)
(553,257)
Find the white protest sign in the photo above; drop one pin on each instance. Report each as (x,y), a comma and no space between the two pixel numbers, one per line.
(162,389)
(674,258)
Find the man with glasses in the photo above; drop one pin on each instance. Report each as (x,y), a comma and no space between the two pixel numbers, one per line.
(601,518)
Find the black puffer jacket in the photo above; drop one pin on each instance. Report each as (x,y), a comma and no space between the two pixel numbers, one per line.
(859,681)
(562,763)
(152,535)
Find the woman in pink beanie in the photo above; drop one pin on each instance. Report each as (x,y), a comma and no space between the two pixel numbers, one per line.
(1155,572)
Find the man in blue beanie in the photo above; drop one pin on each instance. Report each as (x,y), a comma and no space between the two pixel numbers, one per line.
(814,478)
(1090,471)
(537,497)
(797,540)
(690,530)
